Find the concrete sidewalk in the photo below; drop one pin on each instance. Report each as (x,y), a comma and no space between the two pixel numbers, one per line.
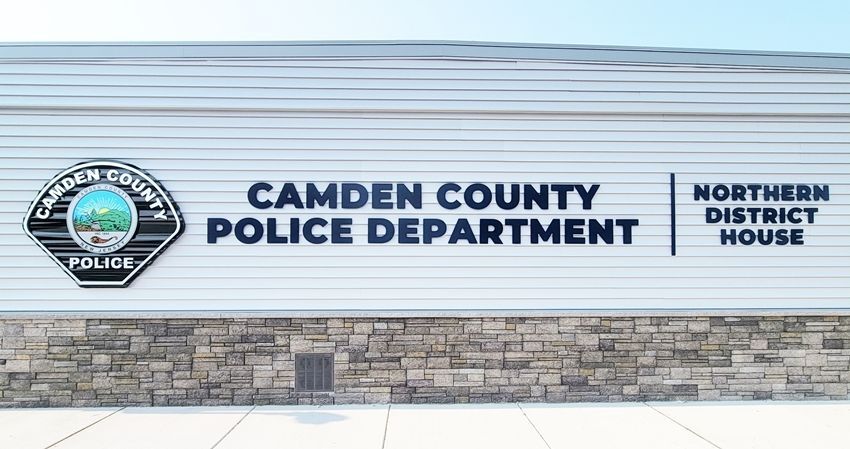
(738,425)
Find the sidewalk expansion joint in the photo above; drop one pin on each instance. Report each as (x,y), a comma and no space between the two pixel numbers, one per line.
(527,418)
(84,428)
(386,427)
(682,425)
(233,427)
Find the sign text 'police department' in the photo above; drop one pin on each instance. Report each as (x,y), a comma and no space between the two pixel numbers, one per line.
(569,228)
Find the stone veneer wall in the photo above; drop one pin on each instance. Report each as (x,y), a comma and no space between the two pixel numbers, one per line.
(99,362)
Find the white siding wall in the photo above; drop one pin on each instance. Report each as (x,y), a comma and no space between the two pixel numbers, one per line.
(209,129)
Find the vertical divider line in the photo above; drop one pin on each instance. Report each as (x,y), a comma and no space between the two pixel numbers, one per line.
(672,214)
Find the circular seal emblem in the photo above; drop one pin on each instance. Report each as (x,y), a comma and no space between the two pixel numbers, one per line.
(102,218)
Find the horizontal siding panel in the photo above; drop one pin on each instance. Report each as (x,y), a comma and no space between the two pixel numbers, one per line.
(209,158)
(498,148)
(448,251)
(258,271)
(452,156)
(458,135)
(413,286)
(485,168)
(280,84)
(414,121)
(585,173)
(640,105)
(477,297)
(451,71)
(742,263)
(226,305)
(336,94)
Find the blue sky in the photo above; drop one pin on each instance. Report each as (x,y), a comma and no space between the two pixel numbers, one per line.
(805,25)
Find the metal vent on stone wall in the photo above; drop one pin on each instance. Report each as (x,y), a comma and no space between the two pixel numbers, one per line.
(314,372)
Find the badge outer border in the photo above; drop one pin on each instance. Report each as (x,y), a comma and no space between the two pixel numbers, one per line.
(130,277)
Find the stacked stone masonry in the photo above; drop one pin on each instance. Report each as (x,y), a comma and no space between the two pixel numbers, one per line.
(103,362)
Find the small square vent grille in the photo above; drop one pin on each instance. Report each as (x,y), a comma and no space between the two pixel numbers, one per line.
(314,372)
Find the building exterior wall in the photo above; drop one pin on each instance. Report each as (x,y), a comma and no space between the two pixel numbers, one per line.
(100,362)
(674,315)
(209,129)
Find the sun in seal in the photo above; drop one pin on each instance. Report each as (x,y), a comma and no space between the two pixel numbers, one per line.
(102,218)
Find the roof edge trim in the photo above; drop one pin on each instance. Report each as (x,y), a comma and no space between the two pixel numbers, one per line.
(421,49)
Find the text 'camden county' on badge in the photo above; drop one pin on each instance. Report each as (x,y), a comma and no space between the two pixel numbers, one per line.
(103,222)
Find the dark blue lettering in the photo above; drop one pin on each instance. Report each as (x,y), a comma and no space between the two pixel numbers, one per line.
(341,230)
(240,230)
(550,232)
(253,197)
(405,196)
(309,236)
(627,225)
(472,202)
(587,195)
(573,231)
(433,229)
(382,196)
(217,227)
(316,197)
(271,232)
(720,192)
(713,215)
(796,236)
(531,195)
(407,230)
(597,230)
(562,190)
(490,230)
(516,225)
(500,197)
(701,192)
(821,193)
(462,231)
(348,190)
(289,195)
(374,236)
(441,196)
